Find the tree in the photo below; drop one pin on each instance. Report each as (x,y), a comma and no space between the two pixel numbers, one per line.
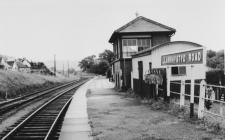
(102,67)
(215,59)
(97,66)
(211,53)
(107,55)
(87,63)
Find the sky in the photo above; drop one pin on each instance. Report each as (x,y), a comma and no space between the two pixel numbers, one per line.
(74,29)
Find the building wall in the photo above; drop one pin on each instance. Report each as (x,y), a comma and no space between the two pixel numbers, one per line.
(117,74)
(126,67)
(192,71)
(27,70)
(155,58)
(156,39)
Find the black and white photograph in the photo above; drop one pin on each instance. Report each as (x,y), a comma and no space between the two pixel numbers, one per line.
(112,70)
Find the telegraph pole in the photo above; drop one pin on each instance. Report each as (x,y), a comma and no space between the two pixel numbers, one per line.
(68,68)
(54,65)
(63,68)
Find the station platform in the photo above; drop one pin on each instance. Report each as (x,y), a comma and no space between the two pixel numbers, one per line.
(75,124)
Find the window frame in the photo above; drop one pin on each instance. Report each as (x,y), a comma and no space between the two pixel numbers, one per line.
(134,42)
(179,71)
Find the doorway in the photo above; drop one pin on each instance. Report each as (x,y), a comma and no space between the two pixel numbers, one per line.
(140,79)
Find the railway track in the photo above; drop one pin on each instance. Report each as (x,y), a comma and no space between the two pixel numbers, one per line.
(12,104)
(43,124)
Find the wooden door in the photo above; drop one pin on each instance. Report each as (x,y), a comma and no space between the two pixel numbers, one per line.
(140,80)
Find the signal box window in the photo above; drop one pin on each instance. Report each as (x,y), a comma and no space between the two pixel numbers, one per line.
(129,47)
(178,71)
(182,70)
(143,44)
(174,70)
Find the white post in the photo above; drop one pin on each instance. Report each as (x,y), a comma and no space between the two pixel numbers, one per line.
(182,92)
(192,98)
(201,99)
(157,89)
(192,90)
(132,86)
(221,105)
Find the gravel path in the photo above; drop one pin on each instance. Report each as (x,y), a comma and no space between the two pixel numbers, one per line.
(114,117)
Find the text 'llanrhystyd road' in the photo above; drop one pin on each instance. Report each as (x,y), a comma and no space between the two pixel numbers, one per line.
(188,57)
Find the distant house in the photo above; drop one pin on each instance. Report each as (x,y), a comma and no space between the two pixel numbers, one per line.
(39,67)
(26,62)
(3,64)
(19,66)
(10,63)
(23,65)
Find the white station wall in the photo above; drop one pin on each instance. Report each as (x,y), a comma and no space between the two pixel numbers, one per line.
(196,71)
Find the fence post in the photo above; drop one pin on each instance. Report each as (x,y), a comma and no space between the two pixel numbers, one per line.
(132,84)
(168,83)
(192,98)
(221,105)
(182,91)
(201,105)
(157,89)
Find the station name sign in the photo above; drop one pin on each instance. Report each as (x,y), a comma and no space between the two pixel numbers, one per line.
(188,57)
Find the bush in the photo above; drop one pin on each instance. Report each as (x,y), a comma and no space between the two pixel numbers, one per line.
(213,77)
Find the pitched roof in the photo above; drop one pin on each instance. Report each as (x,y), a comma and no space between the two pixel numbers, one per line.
(21,65)
(142,24)
(147,51)
(10,63)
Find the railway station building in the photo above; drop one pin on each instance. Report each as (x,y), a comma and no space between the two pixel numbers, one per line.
(165,63)
(147,60)
(137,35)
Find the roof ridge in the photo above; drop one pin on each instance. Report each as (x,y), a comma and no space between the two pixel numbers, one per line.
(129,23)
(160,28)
(146,19)
(157,23)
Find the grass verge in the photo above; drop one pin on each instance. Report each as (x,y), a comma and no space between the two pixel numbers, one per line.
(211,125)
(14,84)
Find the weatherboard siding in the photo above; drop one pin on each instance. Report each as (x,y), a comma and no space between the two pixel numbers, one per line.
(159,38)
(143,26)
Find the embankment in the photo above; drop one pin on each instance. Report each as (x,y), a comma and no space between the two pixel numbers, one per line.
(14,84)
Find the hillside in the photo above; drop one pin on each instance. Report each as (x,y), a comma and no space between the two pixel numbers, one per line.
(16,83)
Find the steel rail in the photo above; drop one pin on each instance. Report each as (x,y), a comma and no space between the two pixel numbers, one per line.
(57,118)
(10,105)
(35,92)
(23,123)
